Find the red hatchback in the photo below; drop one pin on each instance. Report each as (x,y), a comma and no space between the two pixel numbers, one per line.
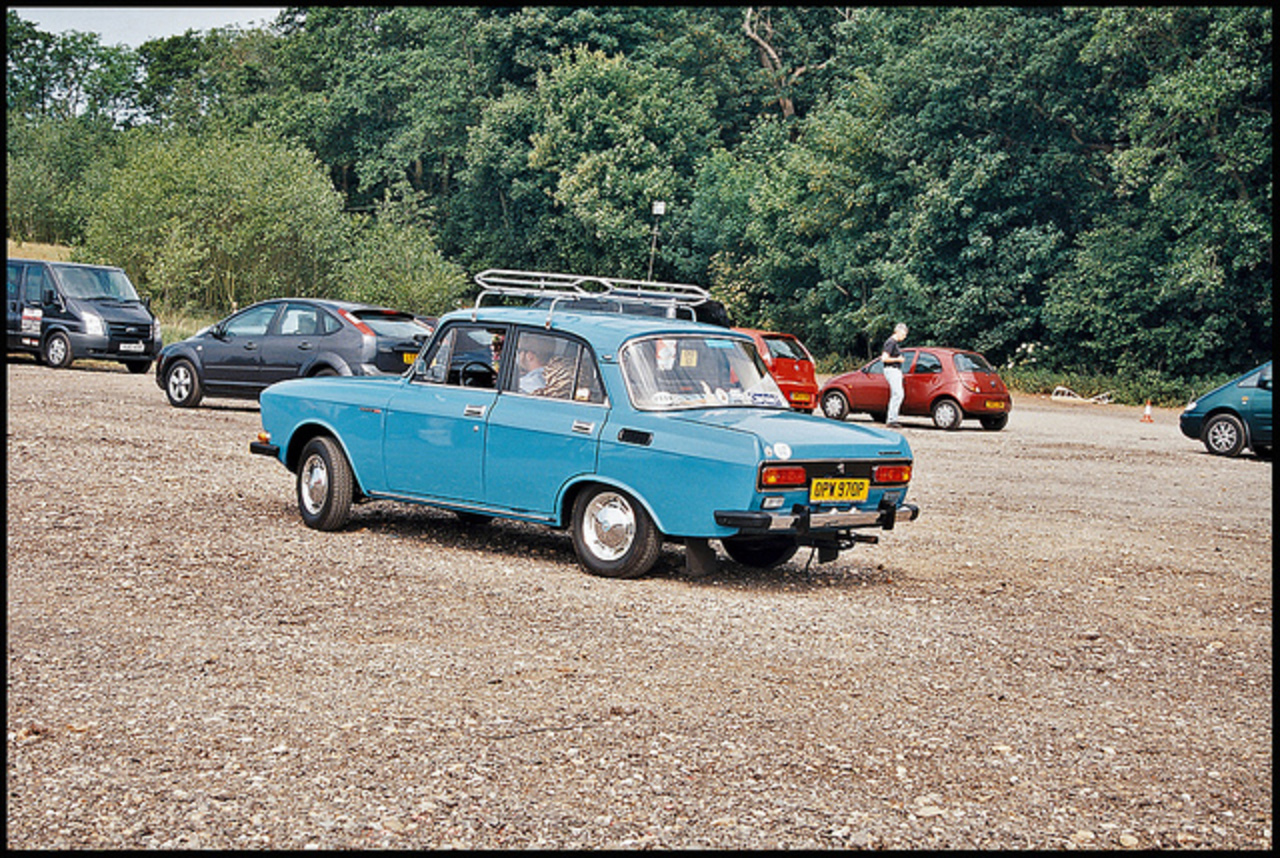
(945,384)
(790,365)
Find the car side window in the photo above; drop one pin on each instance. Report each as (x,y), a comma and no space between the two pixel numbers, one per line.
(326,323)
(252,322)
(15,280)
(464,355)
(34,293)
(554,366)
(301,320)
(927,363)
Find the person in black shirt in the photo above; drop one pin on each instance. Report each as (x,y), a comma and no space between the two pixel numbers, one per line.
(892,360)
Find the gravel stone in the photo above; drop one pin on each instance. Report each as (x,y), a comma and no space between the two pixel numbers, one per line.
(1070,649)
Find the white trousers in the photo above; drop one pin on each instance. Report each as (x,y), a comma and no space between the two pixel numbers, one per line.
(893,375)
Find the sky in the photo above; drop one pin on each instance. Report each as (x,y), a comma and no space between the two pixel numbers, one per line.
(133,25)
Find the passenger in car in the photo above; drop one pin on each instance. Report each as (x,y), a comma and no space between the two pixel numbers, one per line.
(533,357)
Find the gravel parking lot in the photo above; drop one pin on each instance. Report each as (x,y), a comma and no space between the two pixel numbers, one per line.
(1071,648)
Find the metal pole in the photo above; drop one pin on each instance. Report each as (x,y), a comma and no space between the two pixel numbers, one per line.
(659,208)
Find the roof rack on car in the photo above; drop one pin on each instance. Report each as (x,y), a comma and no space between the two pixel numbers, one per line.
(575,287)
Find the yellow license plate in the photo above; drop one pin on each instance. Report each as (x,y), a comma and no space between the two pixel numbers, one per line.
(994,403)
(825,490)
(409,356)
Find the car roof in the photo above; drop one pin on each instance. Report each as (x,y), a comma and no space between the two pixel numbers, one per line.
(605,331)
(763,333)
(333,303)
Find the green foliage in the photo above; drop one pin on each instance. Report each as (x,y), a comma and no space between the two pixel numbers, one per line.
(395,261)
(212,223)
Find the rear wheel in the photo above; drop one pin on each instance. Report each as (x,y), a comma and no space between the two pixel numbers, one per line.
(57,350)
(138,367)
(613,536)
(996,423)
(1224,435)
(326,485)
(761,552)
(947,414)
(834,405)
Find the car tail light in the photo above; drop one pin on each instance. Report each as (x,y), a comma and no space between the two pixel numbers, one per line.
(359,325)
(782,476)
(891,474)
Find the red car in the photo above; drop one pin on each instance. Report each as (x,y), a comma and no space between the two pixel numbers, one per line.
(948,385)
(790,365)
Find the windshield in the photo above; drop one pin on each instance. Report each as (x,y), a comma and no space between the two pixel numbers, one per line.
(697,371)
(89,283)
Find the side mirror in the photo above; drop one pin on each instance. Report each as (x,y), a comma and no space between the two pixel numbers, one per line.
(1265,382)
(218,331)
(49,297)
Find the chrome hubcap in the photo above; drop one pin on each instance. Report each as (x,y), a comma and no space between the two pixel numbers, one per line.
(609,526)
(180,383)
(315,484)
(57,350)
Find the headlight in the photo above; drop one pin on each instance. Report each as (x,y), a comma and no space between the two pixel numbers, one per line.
(155,329)
(93,325)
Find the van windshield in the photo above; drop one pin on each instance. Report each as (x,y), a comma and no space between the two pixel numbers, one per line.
(80,281)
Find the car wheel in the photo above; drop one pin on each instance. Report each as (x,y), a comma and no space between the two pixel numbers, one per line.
(947,414)
(761,552)
(326,485)
(324,372)
(834,405)
(57,350)
(138,367)
(613,536)
(996,423)
(182,384)
(1224,435)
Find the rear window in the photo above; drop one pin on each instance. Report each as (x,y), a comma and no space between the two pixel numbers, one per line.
(402,325)
(972,362)
(786,347)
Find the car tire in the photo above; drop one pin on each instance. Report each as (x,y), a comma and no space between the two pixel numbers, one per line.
(996,423)
(947,414)
(57,350)
(138,367)
(324,372)
(613,535)
(1224,435)
(326,485)
(760,552)
(182,384)
(834,405)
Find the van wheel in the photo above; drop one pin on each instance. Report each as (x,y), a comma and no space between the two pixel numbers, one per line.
(182,384)
(57,350)
(138,367)
(326,486)
(613,536)
(1224,435)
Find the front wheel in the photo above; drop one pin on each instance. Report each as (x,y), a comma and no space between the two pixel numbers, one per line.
(182,384)
(1224,435)
(995,423)
(947,414)
(834,405)
(761,552)
(138,367)
(613,536)
(326,485)
(57,350)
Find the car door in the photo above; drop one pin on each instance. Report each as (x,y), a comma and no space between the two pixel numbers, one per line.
(231,354)
(292,341)
(921,382)
(436,423)
(1257,408)
(540,439)
(871,392)
(13,305)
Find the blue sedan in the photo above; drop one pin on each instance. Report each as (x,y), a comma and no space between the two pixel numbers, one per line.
(626,428)
(1233,416)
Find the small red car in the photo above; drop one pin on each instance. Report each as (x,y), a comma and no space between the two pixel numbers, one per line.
(948,385)
(791,366)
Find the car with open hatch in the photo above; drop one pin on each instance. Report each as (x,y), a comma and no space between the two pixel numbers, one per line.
(281,338)
(63,311)
(625,429)
(790,364)
(1233,416)
(945,384)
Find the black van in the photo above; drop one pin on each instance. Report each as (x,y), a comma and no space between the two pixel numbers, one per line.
(61,311)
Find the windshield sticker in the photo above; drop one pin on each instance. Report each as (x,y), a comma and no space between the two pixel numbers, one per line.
(688,358)
(767,399)
(666,355)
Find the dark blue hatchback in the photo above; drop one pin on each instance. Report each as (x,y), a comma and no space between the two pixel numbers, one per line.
(1233,416)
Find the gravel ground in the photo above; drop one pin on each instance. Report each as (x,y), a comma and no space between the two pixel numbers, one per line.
(1070,649)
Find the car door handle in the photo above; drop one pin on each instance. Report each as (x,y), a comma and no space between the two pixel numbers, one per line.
(305,345)
(249,347)
(583,427)
(473,411)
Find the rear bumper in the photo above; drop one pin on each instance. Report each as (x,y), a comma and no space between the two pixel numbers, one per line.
(802,520)
(263,449)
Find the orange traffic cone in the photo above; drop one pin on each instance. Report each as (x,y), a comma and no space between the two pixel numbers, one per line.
(1146,414)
